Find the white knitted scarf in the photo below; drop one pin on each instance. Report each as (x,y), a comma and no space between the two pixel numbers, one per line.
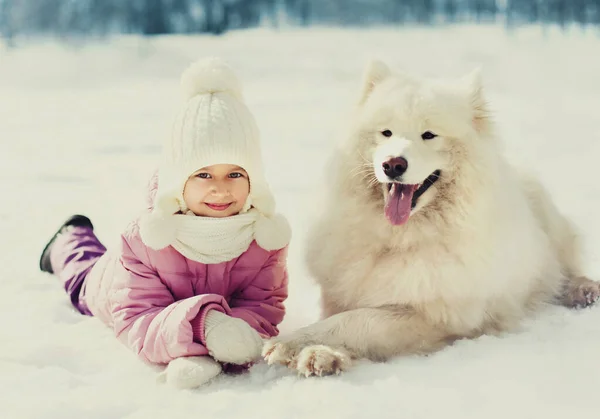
(214,240)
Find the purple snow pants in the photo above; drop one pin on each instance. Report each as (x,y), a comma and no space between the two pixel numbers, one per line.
(73,255)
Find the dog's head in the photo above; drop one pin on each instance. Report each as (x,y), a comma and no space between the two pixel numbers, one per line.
(414,132)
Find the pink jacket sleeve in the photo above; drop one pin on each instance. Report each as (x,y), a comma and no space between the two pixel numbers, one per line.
(146,318)
(260,303)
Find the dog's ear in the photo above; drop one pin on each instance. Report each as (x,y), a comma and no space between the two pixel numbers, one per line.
(475,95)
(375,73)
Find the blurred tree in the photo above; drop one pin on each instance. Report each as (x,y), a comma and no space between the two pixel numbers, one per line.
(594,11)
(579,11)
(450,10)
(154,18)
(424,11)
(6,22)
(483,10)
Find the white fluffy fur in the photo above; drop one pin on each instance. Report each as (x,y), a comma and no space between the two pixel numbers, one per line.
(483,247)
(210,75)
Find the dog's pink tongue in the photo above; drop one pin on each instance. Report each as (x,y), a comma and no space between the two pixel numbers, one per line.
(399,201)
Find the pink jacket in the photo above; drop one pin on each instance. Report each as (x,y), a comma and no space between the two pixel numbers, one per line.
(156,300)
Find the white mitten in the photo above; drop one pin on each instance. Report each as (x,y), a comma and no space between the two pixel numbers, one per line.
(190,372)
(231,340)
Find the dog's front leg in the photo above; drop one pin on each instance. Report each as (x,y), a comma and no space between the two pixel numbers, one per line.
(326,347)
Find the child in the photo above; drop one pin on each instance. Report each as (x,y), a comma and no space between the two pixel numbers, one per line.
(201,277)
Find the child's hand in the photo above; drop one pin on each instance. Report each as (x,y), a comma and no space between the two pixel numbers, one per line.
(231,340)
(190,372)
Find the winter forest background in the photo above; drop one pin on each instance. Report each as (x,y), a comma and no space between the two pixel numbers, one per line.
(152,17)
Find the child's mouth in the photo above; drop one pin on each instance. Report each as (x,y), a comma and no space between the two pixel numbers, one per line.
(218,207)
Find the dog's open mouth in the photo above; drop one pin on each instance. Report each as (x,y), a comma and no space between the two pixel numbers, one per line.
(402,198)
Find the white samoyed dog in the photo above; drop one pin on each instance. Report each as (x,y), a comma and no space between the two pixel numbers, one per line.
(429,235)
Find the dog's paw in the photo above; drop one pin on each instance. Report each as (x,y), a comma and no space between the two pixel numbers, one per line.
(581,292)
(278,352)
(322,360)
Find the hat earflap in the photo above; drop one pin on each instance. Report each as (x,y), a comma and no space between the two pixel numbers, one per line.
(158,228)
(262,199)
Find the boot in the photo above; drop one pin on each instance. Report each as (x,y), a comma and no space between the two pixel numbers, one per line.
(74,220)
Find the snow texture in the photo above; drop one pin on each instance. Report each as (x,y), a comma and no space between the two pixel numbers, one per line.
(81,126)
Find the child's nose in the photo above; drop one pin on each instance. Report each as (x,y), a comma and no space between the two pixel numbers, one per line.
(219,190)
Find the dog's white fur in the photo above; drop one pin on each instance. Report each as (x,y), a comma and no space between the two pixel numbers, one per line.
(483,247)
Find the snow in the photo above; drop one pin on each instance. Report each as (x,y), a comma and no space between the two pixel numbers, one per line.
(80,127)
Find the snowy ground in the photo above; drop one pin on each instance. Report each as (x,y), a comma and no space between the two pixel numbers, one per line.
(79,128)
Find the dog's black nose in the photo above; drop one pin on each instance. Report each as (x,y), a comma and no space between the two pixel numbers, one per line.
(395,167)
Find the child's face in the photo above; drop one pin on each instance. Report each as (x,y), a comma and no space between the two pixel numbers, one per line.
(219,190)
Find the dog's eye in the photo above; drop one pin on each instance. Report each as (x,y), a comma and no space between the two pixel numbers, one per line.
(428,135)
(386,133)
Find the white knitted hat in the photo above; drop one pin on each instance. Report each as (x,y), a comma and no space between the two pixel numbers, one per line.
(214,126)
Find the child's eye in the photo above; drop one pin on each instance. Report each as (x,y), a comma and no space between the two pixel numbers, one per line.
(235,175)
(203,175)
